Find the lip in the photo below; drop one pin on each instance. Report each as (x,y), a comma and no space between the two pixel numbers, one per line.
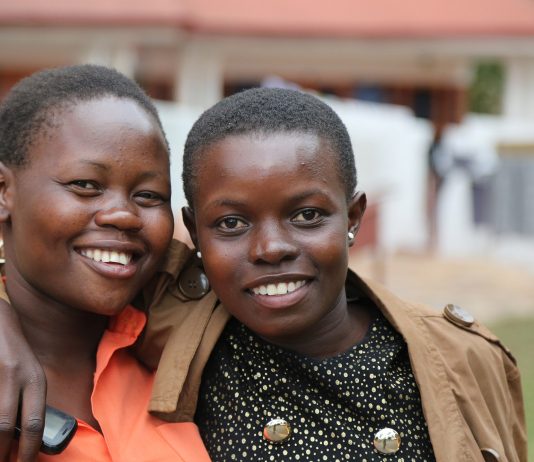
(134,248)
(276,278)
(113,270)
(279,302)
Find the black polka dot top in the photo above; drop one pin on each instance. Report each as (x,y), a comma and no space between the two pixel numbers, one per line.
(334,407)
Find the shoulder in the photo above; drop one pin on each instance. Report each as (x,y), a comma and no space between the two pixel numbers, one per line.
(452,329)
(467,379)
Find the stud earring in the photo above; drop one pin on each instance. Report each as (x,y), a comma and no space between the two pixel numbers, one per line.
(2,256)
(199,254)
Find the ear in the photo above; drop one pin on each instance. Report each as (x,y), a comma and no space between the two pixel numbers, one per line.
(7,190)
(356,209)
(189,220)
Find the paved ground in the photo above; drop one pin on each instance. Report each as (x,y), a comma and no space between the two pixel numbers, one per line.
(485,287)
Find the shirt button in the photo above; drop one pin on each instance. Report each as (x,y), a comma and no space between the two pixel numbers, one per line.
(193,283)
(276,430)
(458,315)
(387,441)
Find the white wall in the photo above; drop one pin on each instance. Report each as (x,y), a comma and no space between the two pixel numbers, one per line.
(390,147)
(177,120)
(518,98)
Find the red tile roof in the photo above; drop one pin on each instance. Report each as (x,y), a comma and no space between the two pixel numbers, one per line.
(351,18)
(91,12)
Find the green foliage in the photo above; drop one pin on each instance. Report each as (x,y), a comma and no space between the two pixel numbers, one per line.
(485,93)
(516,334)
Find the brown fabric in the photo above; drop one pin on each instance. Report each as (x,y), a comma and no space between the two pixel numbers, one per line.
(3,293)
(172,340)
(469,384)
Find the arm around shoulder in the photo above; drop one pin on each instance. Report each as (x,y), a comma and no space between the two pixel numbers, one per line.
(20,375)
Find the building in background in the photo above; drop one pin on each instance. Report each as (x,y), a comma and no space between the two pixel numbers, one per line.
(419,54)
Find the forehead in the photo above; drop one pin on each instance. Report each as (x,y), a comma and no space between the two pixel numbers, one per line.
(268,150)
(104,130)
(106,115)
(267,162)
(103,124)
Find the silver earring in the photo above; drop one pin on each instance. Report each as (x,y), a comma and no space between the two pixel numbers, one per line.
(199,255)
(351,235)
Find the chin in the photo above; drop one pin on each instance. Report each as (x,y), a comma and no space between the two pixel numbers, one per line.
(106,307)
(276,330)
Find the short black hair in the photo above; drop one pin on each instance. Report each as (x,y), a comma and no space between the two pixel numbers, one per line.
(265,111)
(27,109)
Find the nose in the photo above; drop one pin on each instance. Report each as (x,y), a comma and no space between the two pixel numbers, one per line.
(272,244)
(122,217)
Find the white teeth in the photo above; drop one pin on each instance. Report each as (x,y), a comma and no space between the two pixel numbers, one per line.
(281,288)
(271,289)
(107,256)
(87,253)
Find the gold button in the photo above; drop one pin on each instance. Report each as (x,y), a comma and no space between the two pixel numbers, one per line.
(193,283)
(387,441)
(276,430)
(458,315)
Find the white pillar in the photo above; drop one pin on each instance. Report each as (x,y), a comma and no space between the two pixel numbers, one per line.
(200,79)
(122,58)
(518,95)
(125,60)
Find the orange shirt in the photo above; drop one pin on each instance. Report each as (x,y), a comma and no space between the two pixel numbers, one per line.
(121,392)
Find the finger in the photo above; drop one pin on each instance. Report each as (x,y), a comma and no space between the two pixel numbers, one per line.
(9,403)
(32,419)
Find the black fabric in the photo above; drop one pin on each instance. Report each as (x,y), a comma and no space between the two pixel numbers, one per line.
(334,406)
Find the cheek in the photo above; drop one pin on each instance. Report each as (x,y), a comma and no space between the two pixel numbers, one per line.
(222,263)
(330,247)
(44,221)
(159,227)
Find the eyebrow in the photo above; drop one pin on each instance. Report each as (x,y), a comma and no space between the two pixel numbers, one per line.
(305,194)
(93,163)
(296,198)
(101,166)
(225,203)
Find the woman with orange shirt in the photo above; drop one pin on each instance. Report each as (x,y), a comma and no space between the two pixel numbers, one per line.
(83,234)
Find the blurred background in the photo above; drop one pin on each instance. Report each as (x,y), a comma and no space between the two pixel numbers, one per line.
(437,95)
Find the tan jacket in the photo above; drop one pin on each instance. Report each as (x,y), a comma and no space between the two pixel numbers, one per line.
(469,383)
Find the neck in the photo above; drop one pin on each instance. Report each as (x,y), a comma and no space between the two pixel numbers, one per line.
(343,327)
(61,336)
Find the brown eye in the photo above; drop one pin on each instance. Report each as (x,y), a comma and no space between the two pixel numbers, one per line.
(84,188)
(232,223)
(84,184)
(149,199)
(306,215)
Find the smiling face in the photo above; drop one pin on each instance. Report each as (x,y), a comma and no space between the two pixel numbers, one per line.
(271,219)
(89,216)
